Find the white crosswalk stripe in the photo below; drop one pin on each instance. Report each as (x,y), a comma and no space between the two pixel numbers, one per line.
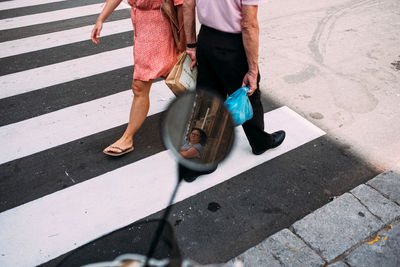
(35,232)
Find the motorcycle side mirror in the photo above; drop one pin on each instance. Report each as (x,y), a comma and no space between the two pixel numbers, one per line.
(198,130)
(198,119)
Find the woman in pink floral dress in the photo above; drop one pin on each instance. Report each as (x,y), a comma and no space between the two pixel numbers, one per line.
(154,52)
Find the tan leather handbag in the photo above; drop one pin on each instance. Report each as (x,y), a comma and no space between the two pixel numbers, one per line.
(181,77)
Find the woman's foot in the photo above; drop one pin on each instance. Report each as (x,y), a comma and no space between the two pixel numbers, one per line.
(122,146)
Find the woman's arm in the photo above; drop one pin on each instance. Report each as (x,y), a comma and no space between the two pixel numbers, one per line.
(190,153)
(105,13)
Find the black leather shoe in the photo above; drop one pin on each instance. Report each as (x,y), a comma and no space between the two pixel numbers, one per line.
(277,139)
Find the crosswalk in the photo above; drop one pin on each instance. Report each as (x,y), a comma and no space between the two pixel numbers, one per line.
(58,191)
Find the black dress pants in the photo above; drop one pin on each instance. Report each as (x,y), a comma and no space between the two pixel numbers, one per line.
(222,65)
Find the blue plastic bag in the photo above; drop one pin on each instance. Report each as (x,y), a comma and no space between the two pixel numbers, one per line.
(239,106)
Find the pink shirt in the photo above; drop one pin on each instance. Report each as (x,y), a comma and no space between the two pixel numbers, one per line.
(223,15)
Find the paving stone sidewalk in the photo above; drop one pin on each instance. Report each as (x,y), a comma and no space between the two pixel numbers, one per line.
(359,228)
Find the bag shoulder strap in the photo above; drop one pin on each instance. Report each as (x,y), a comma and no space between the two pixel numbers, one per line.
(168,7)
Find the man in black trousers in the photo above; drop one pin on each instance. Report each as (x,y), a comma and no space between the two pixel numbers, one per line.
(227,56)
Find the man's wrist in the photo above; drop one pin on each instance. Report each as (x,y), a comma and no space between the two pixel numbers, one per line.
(253,72)
(192,45)
(190,49)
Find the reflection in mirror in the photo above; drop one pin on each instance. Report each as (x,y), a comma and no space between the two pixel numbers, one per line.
(198,129)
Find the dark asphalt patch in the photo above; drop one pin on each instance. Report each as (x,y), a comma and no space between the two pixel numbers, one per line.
(396,65)
(213,206)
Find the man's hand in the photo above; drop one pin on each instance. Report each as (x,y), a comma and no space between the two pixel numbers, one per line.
(192,54)
(105,13)
(250,80)
(250,35)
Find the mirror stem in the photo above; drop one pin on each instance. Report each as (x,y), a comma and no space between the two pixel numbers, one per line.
(162,223)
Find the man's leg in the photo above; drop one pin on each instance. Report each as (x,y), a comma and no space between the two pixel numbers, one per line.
(222,65)
(254,128)
(207,79)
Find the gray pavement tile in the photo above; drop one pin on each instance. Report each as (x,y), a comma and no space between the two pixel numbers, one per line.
(337,226)
(281,249)
(388,183)
(383,251)
(257,256)
(376,203)
(338,264)
(290,250)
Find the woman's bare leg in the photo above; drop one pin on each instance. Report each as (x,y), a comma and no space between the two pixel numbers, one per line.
(139,109)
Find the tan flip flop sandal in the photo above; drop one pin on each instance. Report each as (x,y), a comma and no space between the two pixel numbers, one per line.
(116,154)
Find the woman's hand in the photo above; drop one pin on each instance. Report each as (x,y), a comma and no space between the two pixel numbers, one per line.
(105,13)
(96,32)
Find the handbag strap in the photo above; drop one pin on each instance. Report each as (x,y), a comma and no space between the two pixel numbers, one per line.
(168,7)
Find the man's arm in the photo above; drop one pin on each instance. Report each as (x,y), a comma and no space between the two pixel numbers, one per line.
(189,21)
(250,35)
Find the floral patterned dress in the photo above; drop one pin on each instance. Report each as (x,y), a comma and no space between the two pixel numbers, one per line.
(154,49)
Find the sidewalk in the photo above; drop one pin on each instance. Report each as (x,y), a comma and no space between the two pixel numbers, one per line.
(359,228)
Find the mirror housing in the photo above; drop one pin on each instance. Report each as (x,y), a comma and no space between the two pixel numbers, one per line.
(202,112)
